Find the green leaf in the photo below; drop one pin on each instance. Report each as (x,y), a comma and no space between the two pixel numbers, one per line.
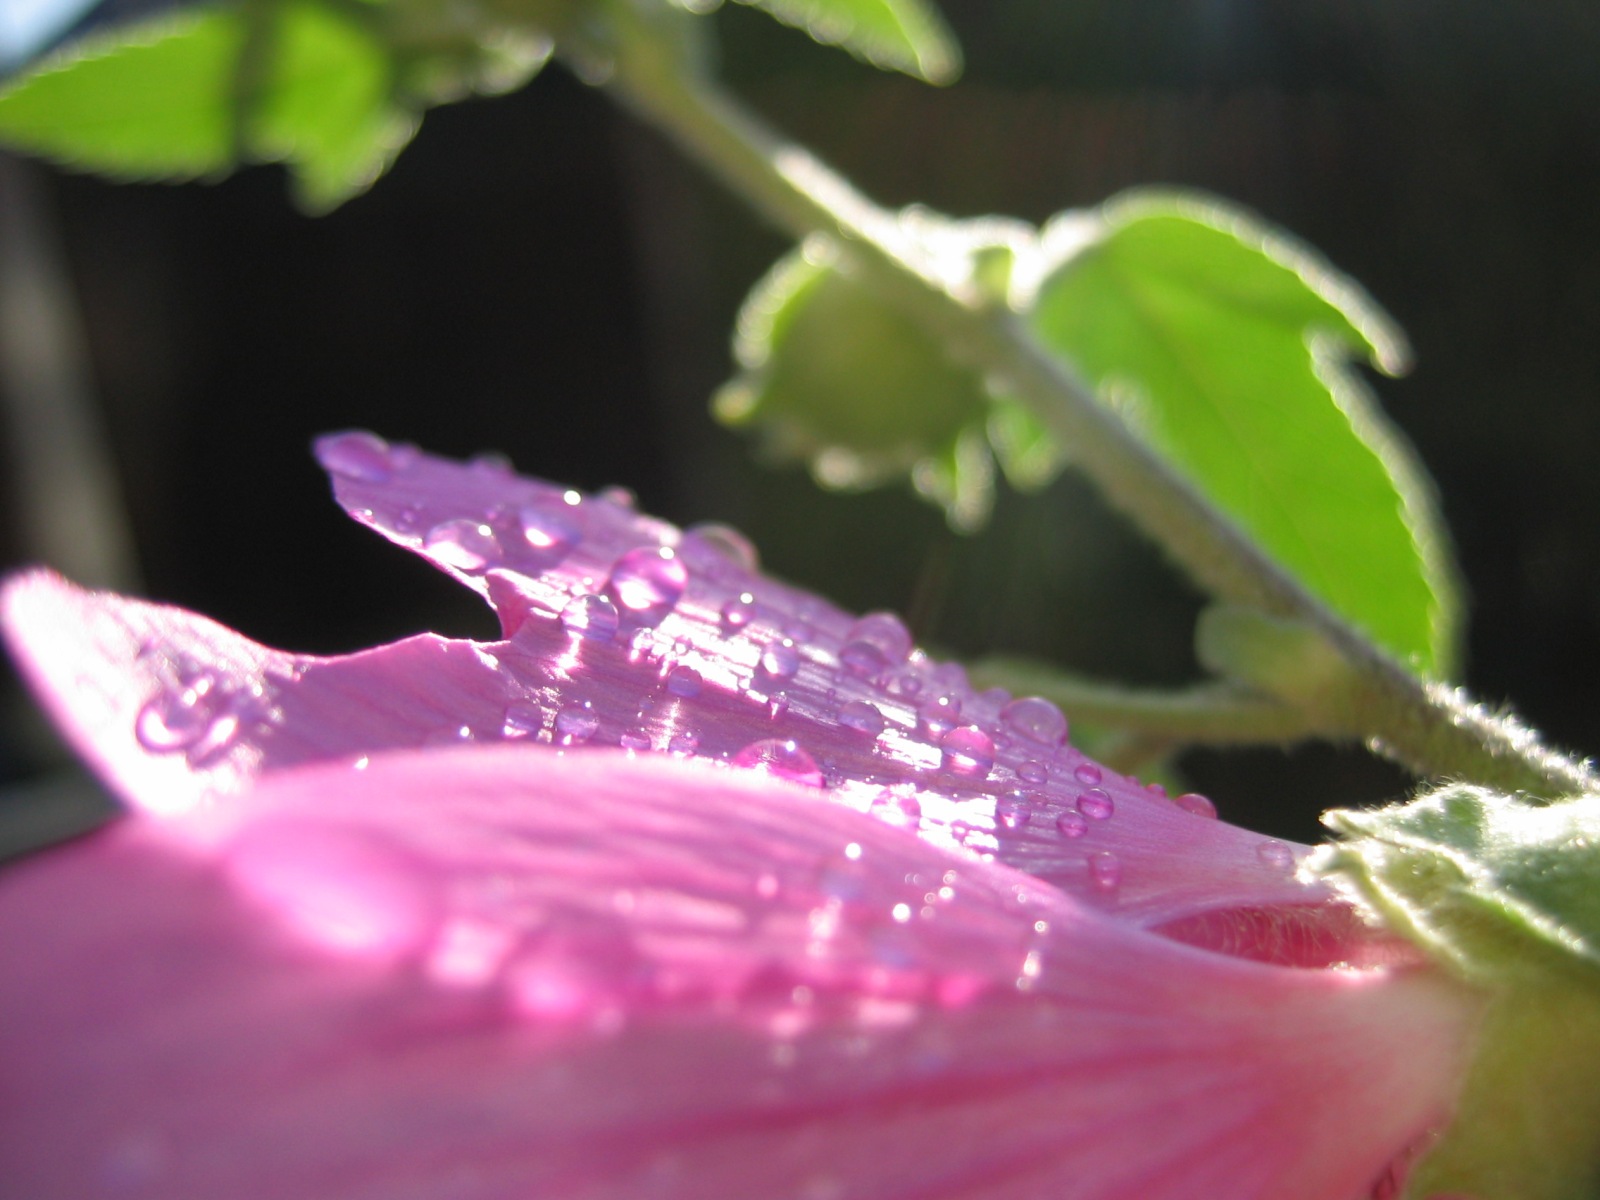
(837,377)
(327,105)
(1228,348)
(147,101)
(898,35)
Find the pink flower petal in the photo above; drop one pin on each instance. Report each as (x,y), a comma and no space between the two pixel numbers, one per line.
(514,971)
(623,631)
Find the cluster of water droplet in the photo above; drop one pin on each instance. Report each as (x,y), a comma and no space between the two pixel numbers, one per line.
(197,712)
(628,632)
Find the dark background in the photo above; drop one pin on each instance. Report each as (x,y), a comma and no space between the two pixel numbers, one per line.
(541,277)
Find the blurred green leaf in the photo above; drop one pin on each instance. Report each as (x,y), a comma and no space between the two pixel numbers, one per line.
(1228,348)
(843,380)
(332,90)
(145,101)
(899,35)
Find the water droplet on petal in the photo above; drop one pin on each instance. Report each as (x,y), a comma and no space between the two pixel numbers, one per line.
(898,808)
(1072,824)
(1275,854)
(967,751)
(548,535)
(739,612)
(1096,804)
(1105,872)
(522,720)
(685,743)
(903,685)
(634,739)
(364,457)
(647,583)
(466,545)
(576,722)
(1037,719)
(874,643)
(591,617)
(491,463)
(727,543)
(1033,771)
(1088,773)
(684,681)
(1194,802)
(779,662)
(777,706)
(1014,809)
(780,757)
(862,717)
(178,717)
(938,716)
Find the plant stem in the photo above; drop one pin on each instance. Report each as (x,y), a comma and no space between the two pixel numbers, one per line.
(1429,729)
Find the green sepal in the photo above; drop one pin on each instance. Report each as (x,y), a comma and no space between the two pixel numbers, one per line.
(1490,883)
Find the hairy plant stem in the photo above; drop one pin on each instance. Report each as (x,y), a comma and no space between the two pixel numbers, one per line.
(1432,730)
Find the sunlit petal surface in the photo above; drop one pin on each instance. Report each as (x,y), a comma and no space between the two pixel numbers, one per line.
(496,972)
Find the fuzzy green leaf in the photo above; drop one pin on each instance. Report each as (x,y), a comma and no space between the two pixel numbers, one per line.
(898,35)
(1228,347)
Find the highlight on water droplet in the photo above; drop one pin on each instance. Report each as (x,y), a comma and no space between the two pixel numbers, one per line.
(547,534)
(739,612)
(647,583)
(938,715)
(591,617)
(1036,719)
(778,663)
(179,715)
(725,542)
(464,544)
(576,722)
(1105,871)
(684,682)
(1014,809)
(1096,804)
(1275,854)
(967,751)
(522,720)
(782,758)
(1194,802)
(1072,824)
(862,717)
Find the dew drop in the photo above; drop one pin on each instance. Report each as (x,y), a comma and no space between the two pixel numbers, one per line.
(363,457)
(938,715)
(591,617)
(1037,719)
(521,720)
(727,543)
(648,582)
(576,722)
(1088,773)
(1096,804)
(739,612)
(618,495)
(685,743)
(178,717)
(1275,854)
(893,807)
(634,739)
(782,758)
(1072,824)
(777,706)
(464,544)
(967,751)
(1194,802)
(874,643)
(1105,872)
(779,662)
(1033,771)
(684,681)
(1014,809)
(862,717)
(548,535)
(903,685)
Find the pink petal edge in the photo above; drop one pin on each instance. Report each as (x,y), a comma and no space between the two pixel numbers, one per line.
(599,975)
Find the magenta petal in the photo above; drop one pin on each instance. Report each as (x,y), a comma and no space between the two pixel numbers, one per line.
(512,972)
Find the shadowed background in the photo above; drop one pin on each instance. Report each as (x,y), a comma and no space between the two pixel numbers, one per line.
(542,277)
